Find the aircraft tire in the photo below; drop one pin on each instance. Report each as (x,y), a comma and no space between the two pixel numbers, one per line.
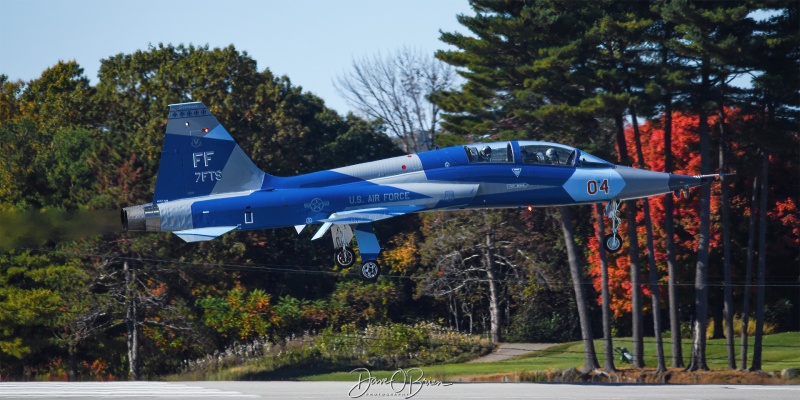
(612,242)
(344,257)
(369,271)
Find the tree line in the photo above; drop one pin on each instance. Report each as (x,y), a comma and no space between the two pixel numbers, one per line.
(641,83)
(577,73)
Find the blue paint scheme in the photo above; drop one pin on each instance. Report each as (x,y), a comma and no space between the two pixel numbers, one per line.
(207,185)
(177,151)
(368,244)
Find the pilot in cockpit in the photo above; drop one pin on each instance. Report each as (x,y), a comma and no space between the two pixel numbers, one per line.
(486,153)
(552,156)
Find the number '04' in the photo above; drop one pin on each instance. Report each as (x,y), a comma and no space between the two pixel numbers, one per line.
(592,187)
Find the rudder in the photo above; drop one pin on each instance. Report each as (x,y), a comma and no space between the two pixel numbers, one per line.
(200,158)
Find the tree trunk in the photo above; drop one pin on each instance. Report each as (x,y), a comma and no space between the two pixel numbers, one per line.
(651,256)
(726,248)
(669,228)
(718,315)
(633,250)
(590,357)
(608,345)
(762,259)
(454,308)
(698,359)
(494,293)
(748,275)
(72,363)
(131,323)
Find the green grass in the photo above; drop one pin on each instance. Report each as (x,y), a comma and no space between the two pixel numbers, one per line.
(779,351)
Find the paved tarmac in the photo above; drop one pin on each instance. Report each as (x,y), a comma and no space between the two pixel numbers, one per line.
(350,390)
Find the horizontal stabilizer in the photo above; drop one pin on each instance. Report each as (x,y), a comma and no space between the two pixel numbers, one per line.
(203,234)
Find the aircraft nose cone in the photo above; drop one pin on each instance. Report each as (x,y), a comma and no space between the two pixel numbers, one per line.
(642,183)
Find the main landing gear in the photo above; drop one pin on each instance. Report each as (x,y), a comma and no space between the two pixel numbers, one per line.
(343,255)
(369,271)
(613,242)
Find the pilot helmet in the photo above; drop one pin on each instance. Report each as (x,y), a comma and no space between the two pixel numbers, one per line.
(486,151)
(551,154)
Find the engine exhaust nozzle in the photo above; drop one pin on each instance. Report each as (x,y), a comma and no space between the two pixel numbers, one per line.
(145,217)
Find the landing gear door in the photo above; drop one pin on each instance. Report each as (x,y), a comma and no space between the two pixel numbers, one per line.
(342,235)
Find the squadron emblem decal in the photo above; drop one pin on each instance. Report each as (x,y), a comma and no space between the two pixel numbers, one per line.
(316,205)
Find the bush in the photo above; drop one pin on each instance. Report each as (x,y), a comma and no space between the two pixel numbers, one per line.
(769,328)
(686,331)
(552,328)
(386,346)
(400,345)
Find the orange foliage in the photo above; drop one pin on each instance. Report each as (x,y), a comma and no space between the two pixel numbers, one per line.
(98,370)
(786,212)
(403,255)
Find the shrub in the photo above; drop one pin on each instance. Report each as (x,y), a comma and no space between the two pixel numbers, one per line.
(769,328)
(385,346)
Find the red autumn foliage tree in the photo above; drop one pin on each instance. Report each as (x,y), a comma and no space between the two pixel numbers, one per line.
(685,144)
(784,228)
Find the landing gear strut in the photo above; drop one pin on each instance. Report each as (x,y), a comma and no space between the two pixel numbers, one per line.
(343,255)
(368,246)
(613,242)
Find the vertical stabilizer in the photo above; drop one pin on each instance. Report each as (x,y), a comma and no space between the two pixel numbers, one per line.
(200,158)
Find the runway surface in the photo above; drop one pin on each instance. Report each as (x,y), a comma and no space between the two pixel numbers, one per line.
(348,390)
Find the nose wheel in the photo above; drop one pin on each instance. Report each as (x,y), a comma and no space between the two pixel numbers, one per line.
(613,242)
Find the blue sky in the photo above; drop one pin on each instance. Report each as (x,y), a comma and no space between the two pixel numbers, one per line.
(310,41)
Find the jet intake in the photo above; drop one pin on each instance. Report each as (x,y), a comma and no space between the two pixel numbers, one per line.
(145,217)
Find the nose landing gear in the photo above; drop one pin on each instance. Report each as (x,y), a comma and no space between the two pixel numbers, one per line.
(613,242)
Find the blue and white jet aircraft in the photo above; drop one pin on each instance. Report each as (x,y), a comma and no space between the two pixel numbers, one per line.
(207,186)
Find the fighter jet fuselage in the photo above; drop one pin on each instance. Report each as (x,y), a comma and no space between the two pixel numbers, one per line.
(207,186)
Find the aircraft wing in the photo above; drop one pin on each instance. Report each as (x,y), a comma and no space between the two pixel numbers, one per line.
(362,216)
(370,214)
(203,234)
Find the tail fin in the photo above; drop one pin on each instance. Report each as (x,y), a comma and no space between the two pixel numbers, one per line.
(199,157)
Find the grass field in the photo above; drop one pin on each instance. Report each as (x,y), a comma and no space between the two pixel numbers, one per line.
(779,351)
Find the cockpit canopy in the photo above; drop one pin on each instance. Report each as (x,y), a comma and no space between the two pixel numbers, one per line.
(490,153)
(533,152)
(546,153)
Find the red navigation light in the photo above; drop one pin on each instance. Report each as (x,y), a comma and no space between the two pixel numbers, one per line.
(205,130)
(529,208)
